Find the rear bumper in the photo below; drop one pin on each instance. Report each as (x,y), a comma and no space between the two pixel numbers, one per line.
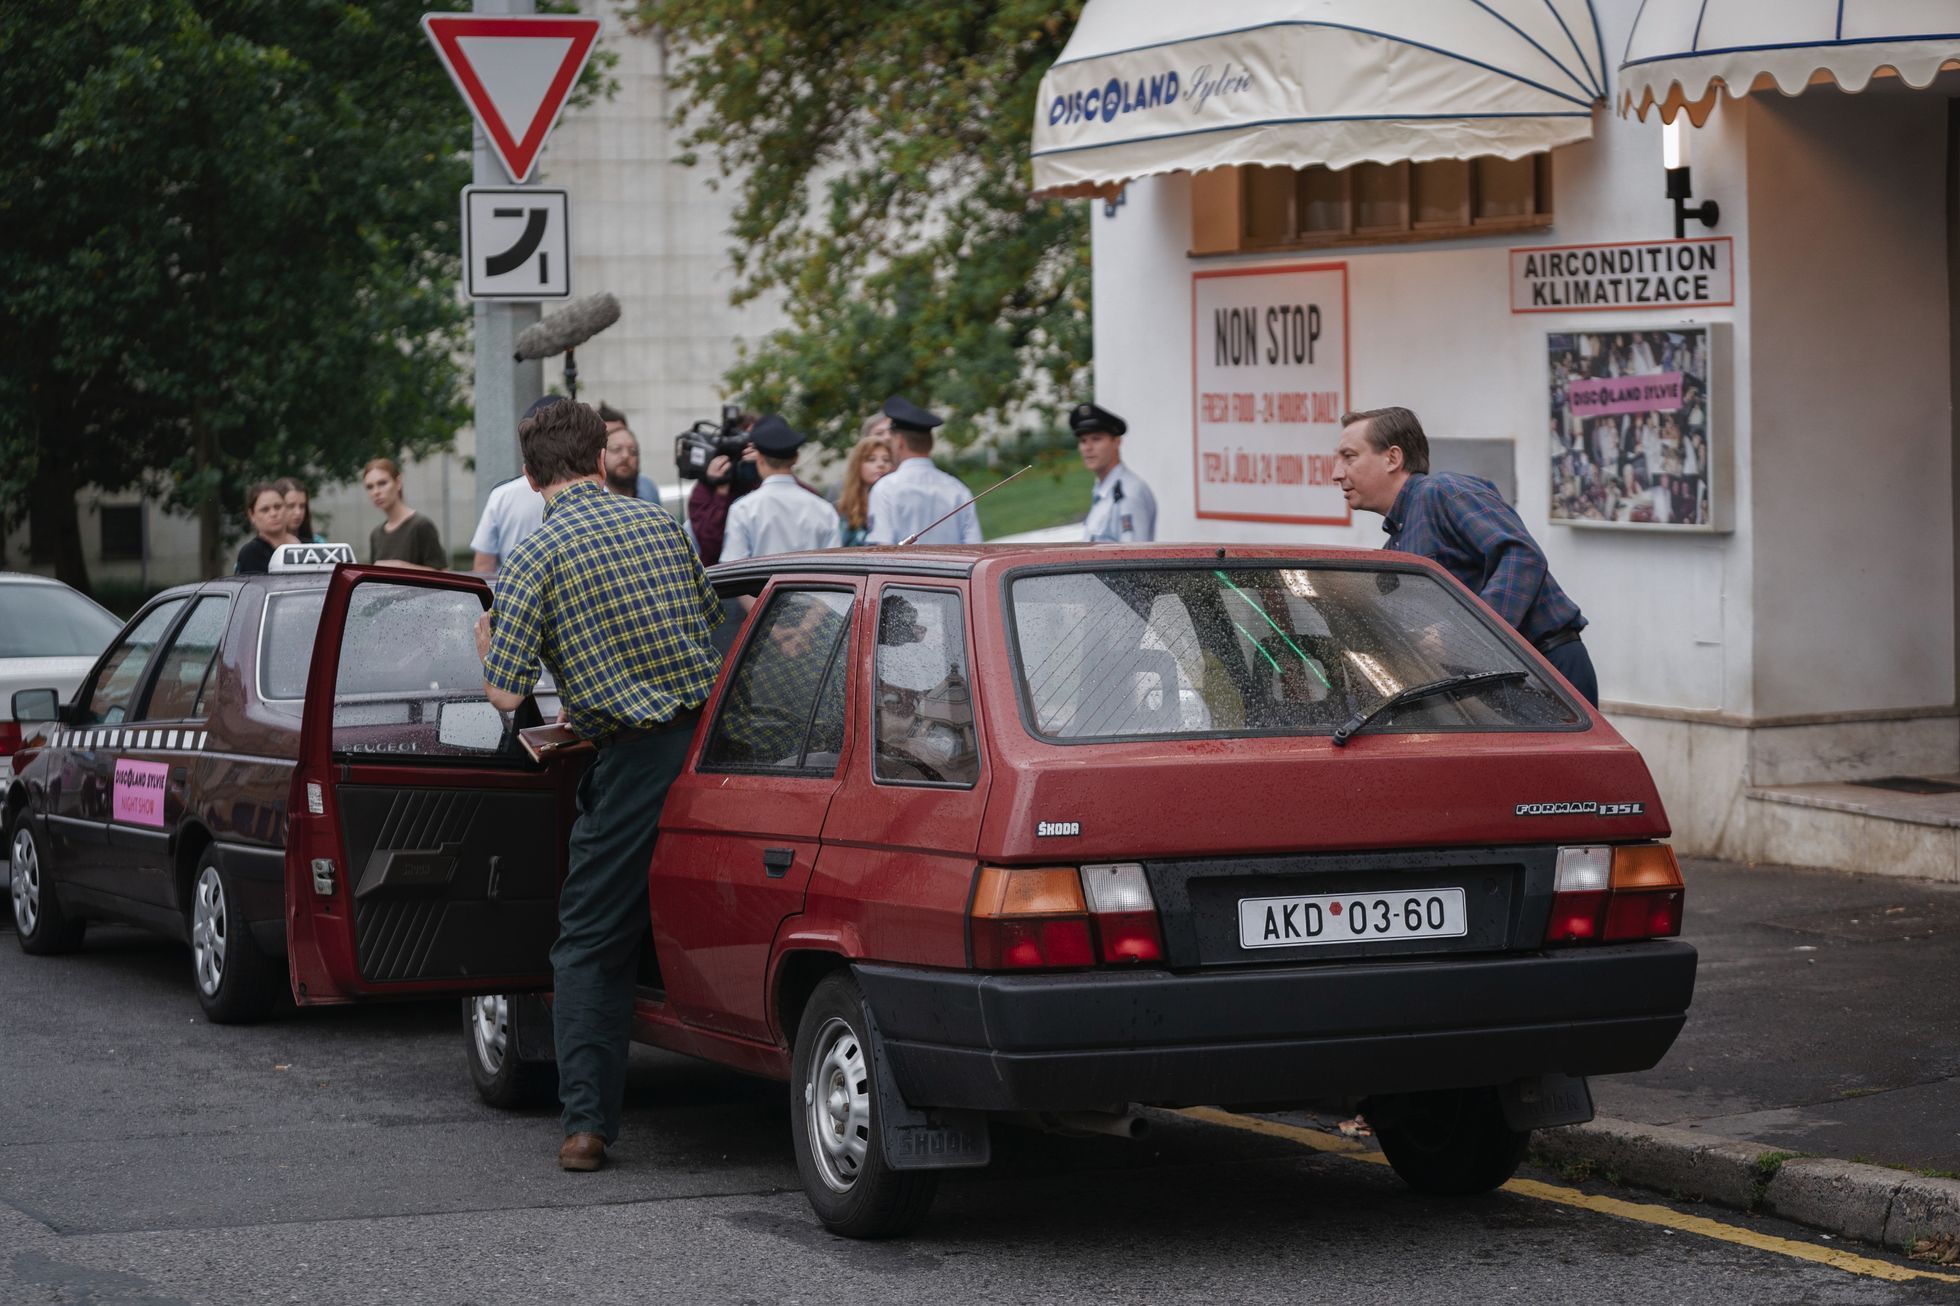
(1096,1039)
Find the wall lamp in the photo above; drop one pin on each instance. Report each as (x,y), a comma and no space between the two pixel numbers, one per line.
(1674,157)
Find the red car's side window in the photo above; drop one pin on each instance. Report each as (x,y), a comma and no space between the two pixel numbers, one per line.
(924,709)
(784,710)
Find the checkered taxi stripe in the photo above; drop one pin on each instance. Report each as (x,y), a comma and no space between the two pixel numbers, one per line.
(147,741)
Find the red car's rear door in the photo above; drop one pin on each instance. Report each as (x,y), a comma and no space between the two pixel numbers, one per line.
(738,834)
(424,849)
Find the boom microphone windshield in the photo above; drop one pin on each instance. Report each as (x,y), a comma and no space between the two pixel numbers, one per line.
(568,328)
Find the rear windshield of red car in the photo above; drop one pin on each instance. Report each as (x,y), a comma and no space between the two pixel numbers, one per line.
(1272,650)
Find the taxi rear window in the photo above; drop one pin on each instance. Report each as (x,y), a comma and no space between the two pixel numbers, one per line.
(1275,650)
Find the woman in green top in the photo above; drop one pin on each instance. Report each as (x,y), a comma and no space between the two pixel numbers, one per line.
(405,538)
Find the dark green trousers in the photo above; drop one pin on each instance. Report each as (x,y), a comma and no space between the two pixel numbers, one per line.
(602,919)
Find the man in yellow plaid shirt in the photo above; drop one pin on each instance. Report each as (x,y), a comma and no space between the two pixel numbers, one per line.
(608,594)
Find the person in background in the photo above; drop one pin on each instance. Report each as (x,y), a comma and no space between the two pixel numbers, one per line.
(871,458)
(623,475)
(782,516)
(511,511)
(916,493)
(299,511)
(266,510)
(609,597)
(405,538)
(709,501)
(1123,510)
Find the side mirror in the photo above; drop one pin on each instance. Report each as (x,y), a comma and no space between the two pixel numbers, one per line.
(36,706)
(476,726)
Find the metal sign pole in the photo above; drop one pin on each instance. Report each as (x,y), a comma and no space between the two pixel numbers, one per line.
(504,388)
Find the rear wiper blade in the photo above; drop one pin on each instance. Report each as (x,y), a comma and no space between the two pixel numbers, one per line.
(1447,685)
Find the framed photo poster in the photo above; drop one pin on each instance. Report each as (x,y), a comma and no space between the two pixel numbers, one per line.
(1639,430)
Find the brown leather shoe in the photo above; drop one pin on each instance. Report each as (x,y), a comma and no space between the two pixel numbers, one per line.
(582,1152)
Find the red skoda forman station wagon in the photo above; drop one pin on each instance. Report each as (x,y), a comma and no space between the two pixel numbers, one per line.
(970,833)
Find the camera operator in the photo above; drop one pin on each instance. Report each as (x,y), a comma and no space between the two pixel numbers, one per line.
(730,473)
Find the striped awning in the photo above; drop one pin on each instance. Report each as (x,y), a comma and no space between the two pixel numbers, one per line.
(1154,86)
(1681,53)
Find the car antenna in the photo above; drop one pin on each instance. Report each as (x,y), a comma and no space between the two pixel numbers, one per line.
(913,538)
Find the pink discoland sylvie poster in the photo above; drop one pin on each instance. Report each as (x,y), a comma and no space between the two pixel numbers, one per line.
(139,791)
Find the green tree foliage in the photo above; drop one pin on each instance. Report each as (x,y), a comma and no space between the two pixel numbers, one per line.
(228,250)
(880,149)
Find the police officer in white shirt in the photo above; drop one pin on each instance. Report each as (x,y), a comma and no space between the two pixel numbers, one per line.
(1123,509)
(512,511)
(780,516)
(915,493)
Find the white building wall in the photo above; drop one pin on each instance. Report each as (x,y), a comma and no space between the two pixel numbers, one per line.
(1853,403)
(1815,640)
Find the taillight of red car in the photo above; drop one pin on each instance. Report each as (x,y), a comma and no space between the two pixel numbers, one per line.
(10,738)
(1063,917)
(1616,894)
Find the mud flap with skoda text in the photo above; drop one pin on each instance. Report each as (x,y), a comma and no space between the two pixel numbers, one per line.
(1543,1101)
(922,1140)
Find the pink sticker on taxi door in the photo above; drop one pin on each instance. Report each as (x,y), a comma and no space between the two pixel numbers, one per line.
(138,791)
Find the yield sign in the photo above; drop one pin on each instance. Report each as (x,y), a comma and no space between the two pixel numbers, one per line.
(514,73)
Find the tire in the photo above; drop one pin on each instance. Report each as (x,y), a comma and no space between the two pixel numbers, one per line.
(41,926)
(834,1105)
(1453,1143)
(503,1079)
(235,980)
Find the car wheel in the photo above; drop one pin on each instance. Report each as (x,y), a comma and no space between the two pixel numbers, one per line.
(502,1077)
(40,924)
(234,977)
(1452,1144)
(834,1121)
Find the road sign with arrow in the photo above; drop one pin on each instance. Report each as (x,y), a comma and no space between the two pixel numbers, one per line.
(516,243)
(515,72)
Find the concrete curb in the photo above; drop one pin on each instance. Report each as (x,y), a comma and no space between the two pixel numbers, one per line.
(1866,1202)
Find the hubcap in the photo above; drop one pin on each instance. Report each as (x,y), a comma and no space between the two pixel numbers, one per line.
(490,1025)
(208,931)
(27,882)
(837,1099)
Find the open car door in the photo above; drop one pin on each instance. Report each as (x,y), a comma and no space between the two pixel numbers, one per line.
(424,848)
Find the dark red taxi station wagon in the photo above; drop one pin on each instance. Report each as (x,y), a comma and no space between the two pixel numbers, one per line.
(1040,833)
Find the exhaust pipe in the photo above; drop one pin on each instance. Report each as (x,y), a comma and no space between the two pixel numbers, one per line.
(1116,1124)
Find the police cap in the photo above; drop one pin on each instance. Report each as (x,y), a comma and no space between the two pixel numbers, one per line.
(1094,417)
(775,437)
(908,416)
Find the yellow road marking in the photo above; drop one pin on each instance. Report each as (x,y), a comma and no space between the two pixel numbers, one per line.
(1644,1212)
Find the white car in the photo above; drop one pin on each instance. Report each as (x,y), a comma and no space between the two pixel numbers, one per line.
(50,635)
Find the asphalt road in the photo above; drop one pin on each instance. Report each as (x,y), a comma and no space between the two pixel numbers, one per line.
(339,1156)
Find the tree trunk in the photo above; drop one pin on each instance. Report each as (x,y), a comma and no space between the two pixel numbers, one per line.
(210,516)
(54,527)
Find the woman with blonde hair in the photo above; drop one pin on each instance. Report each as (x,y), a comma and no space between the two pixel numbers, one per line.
(871,457)
(405,538)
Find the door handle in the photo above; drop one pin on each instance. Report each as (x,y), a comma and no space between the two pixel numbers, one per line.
(776,862)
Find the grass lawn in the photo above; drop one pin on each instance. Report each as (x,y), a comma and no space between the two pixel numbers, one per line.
(1055,492)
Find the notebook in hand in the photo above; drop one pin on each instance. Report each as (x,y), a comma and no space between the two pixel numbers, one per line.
(554,740)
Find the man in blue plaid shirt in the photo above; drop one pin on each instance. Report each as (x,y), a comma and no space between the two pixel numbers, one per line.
(608,594)
(1382,464)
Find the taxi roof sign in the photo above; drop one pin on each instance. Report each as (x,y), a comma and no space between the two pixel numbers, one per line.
(310,557)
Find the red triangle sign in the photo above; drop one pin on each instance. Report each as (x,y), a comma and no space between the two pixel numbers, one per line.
(515,74)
